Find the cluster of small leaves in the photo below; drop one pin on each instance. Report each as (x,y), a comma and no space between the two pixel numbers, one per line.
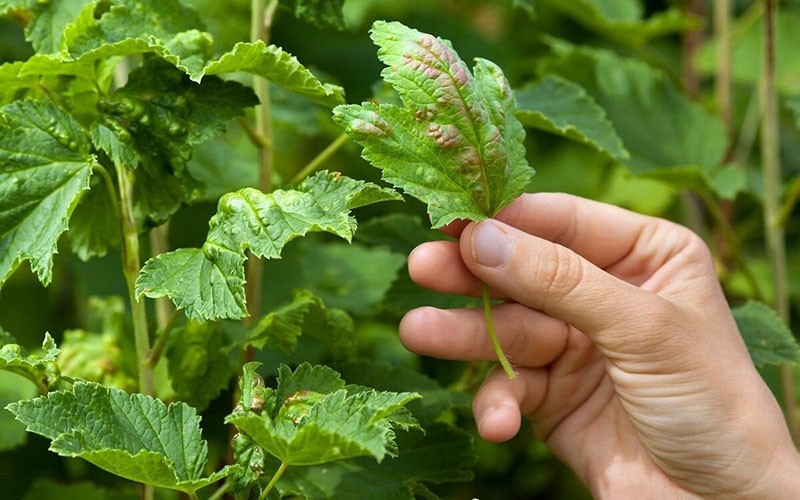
(312,418)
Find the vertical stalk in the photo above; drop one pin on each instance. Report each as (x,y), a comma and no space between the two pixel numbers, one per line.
(260,23)
(771,175)
(130,268)
(722,83)
(159,243)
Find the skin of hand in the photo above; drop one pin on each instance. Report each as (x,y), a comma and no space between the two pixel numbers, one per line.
(630,366)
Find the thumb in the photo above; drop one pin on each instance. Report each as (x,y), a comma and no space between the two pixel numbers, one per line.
(556,280)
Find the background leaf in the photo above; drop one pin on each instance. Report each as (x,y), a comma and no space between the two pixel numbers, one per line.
(305,313)
(563,108)
(40,369)
(468,159)
(668,136)
(768,339)
(199,360)
(322,13)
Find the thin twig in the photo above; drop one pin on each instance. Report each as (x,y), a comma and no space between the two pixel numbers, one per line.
(318,160)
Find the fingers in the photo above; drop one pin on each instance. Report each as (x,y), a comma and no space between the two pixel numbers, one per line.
(500,402)
(528,337)
(553,279)
(438,265)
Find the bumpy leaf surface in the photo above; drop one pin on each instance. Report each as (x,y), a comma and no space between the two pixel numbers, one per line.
(316,422)
(563,108)
(44,166)
(209,282)
(767,338)
(278,66)
(305,313)
(130,435)
(456,143)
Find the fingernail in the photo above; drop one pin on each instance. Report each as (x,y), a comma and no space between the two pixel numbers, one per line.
(491,246)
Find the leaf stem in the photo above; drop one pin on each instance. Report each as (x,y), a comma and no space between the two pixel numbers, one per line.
(260,23)
(487,311)
(774,231)
(159,243)
(318,160)
(274,480)
(112,193)
(220,491)
(163,336)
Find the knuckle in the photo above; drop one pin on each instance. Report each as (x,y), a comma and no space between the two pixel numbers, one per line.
(558,274)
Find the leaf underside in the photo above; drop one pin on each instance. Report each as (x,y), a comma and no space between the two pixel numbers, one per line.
(767,338)
(456,143)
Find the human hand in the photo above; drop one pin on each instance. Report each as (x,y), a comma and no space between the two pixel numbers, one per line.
(630,366)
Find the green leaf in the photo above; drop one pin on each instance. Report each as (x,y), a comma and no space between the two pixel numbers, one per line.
(98,354)
(322,13)
(622,20)
(564,108)
(278,66)
(767,338)
(130,435)
(44,166)
(12,389)
(468,158)
(317,422)
(51,17)
(198,357)
(166,114)
(169,29)
(209,282)
(441,454)
(305,313)
(156,120)
(41,369)
(94,225)
(661,128)
(434,401)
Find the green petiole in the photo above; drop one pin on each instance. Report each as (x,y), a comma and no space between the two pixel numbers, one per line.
(501,357)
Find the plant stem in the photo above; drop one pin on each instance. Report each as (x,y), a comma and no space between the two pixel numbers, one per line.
(319,159)
(487,311)
(163,336)
(273,481)
(260,24)
(722,83)
(159,243)
(220,491)
(771,175)
(112,194)
(130,268)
